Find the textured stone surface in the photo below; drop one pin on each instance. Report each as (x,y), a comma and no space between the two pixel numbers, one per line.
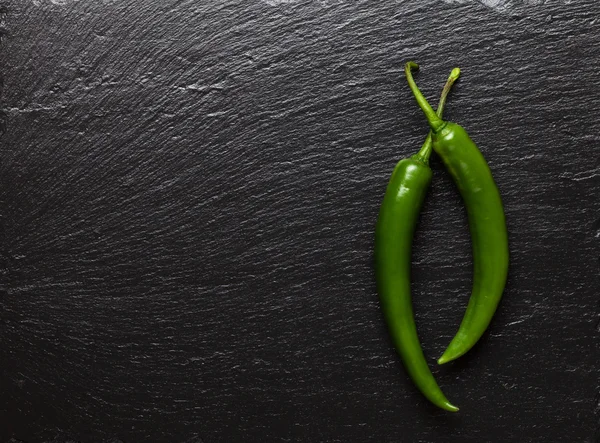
(188,191)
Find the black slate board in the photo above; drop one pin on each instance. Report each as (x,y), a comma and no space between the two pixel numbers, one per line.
(188,191)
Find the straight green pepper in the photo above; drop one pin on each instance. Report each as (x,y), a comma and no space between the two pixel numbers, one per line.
(487,224)
(398,217)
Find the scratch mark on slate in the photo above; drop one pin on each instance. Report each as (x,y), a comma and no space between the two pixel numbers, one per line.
(581,176)
(502,5)
(596,228)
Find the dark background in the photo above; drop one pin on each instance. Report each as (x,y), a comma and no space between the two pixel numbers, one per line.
(188,192)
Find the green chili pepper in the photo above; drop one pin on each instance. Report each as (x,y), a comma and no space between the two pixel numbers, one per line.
(396,224)
(487,224)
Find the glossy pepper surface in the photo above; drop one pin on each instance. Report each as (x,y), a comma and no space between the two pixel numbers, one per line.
(487,224)
(398,217)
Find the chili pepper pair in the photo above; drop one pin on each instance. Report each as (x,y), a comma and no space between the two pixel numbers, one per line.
(396,225)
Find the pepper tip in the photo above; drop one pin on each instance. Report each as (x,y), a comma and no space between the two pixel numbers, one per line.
(450,407)
(451,353)
(443,359)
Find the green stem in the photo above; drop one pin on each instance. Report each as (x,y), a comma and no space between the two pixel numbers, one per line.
(434,121)
(425,151)
(451,79)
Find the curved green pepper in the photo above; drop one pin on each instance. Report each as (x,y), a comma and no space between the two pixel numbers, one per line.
(487,224)
(396,224)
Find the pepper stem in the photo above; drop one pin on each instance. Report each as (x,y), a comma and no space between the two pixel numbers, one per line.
(434,121)
(425,151)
